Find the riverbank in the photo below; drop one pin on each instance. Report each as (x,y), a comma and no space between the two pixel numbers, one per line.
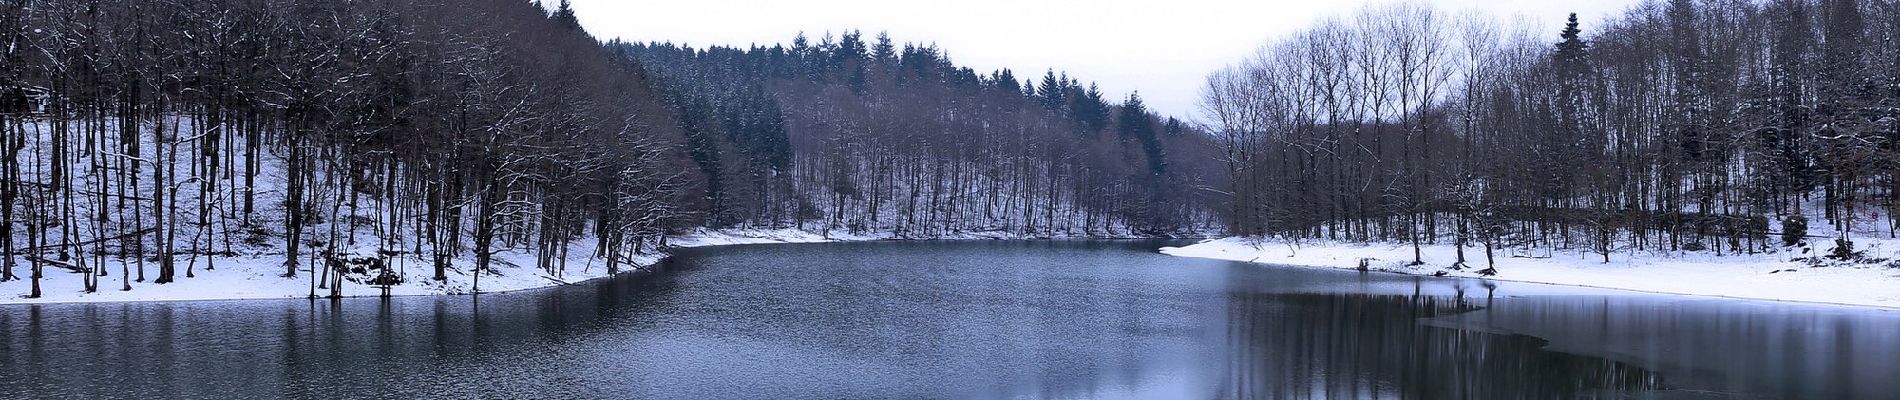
(1777,276)
(246,277)
(259,276)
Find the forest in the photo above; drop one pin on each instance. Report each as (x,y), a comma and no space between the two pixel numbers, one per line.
(1682,125)
(152,138)
(865,134)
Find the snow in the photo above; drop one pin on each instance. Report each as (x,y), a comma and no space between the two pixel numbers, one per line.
(258,276)
(251,256)
(247,247)
(707,237)
(1769,276)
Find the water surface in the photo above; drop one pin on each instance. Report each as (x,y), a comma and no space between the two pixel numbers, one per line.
(999,319)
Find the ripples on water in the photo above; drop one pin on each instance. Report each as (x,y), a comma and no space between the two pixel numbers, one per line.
(961,320)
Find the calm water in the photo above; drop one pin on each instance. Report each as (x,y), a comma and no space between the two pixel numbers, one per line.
(961,320)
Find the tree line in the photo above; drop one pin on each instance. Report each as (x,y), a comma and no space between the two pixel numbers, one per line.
(864,134)
(339,134)
(358,139)
(1680,125)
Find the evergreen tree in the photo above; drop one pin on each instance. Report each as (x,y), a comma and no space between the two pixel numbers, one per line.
(1050,93)
(564,16)
(1135,123)
(1004,80)
(1572,54)
(884,52)
(1087,108)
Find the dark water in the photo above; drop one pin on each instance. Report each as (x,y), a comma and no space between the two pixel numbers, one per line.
(961,320)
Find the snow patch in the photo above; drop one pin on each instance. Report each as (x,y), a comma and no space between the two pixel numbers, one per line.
(259,276)
(1779,276)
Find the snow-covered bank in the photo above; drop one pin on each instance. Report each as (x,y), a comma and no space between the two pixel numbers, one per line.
(259,276)
(1771,276)
(765,236)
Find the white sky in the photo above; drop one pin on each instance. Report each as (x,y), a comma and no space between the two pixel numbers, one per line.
(1163,48)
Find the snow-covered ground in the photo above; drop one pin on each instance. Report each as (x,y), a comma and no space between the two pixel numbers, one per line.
(224,251)
(1770,276)
(705,237)
(259,277)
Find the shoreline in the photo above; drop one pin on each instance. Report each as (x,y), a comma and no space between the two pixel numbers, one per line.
(1771,278)
(536,280)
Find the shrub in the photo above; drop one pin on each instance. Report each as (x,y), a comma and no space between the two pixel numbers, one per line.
(1694,246)
(1793,230)
(1844,251)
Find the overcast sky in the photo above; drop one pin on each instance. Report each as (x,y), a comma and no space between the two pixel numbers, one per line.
(1163,48)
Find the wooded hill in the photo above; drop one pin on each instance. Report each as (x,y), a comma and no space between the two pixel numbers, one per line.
(867,135)
(164,135)
(1681,125)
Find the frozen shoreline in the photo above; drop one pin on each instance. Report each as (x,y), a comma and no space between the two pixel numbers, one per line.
(256,277)
(1767,276)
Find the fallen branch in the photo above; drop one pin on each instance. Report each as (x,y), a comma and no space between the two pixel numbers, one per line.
(61,264)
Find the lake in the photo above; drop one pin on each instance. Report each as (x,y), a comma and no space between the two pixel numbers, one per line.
(962,319)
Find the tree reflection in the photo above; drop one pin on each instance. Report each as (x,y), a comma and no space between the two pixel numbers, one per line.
(1321,346)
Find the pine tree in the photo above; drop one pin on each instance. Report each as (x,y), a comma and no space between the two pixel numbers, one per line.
(1088,109)
(1572,53)
(1135,123)
(1004,80)
(1568,132)
(1050,93)
(884,51)
(564,16)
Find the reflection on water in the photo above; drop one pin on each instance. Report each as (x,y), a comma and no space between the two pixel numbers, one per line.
(960,320)
(1299,346)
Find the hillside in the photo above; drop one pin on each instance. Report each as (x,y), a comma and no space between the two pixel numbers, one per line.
(312,145)
(874,135)
(1749,134)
